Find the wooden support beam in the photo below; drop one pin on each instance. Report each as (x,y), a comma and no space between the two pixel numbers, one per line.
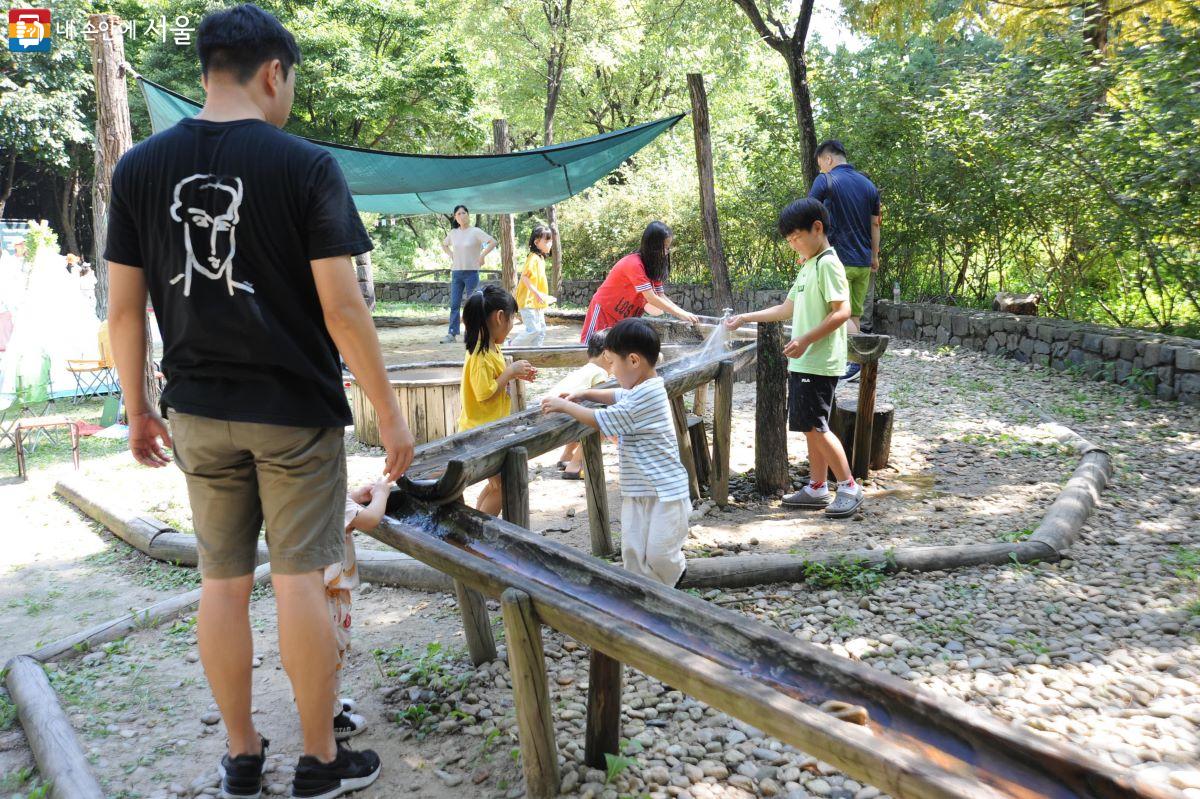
(61,761)
(477,627)
(507,236)
(535,715)
(700,400)
(698,434)
(603,734)
(574,355)
(596,488)
(864,424)
(514,478)
(722,434)
(684,440)
(770,412)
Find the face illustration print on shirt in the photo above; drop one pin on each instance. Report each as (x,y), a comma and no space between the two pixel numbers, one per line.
(207,205)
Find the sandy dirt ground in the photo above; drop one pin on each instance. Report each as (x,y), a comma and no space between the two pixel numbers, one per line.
(1112,634)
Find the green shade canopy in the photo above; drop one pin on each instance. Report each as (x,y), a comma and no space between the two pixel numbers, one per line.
(396,183)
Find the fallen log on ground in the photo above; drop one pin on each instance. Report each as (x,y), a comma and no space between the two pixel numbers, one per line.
(162,542)
(61,761)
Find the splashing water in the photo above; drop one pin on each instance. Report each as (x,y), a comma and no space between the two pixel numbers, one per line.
(711,349)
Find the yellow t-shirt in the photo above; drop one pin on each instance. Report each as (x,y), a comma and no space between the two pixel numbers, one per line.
(480,371)
(535,270)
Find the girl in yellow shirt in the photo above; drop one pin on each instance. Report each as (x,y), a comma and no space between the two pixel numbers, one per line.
(488,319)
(533,294)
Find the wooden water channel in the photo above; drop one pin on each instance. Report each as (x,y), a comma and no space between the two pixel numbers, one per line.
(876,727)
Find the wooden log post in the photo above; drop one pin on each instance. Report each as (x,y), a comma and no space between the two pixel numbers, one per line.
(60,758)
(770,412)
(507,235)
(514,479)
(708,195)
(700,401)
(722,434)
(603,733)
(700,453)
(684,440)
(867,350)
(477,627)
(531,695)
(596,488)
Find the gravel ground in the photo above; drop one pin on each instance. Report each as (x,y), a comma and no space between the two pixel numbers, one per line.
(1102,650)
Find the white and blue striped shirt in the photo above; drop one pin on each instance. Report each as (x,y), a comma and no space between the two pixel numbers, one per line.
(641,419)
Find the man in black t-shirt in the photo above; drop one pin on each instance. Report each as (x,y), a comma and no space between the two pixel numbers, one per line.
(243,237)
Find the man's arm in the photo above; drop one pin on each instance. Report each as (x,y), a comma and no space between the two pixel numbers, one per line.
(876,224)
(127,333)
(349,324)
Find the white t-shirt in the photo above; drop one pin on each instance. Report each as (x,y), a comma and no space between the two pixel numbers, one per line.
(466,244)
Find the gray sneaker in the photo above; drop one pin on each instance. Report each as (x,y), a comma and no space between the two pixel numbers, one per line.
(449,339)
(805,500)
(845,504)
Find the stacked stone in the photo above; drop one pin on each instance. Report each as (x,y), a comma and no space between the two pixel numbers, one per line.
(1166,366)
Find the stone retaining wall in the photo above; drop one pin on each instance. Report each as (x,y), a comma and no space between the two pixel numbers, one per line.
(1167,366)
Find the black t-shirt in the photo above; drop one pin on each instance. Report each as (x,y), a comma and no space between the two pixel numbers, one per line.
(224,218)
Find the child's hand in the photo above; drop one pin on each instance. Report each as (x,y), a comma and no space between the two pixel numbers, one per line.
(577,396)
(362,494)
(523,370)
(795,348)
(734,322)
(550,299)
(554,405)
(381,486)
(690,318)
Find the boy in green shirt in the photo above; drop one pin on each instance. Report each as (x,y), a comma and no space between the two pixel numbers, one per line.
(818,305)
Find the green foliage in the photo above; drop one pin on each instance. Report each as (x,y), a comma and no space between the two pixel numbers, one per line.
(8,713)
(849,574)
(25,783)
(1186,562)
(1016,536)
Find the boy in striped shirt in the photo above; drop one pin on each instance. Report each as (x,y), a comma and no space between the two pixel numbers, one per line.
(655,503)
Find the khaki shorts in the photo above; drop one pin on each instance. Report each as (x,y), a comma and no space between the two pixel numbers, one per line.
(242,473)
(859,278)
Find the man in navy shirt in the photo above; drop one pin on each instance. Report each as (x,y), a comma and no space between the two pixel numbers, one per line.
(853,204)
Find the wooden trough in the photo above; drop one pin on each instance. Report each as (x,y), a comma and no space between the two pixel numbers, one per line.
(429,399)
(913,743)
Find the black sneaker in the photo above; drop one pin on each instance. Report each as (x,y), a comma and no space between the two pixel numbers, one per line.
(350,771)
(347,725)
(241,776)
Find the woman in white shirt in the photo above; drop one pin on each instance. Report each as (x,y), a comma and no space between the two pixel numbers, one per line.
(467,246)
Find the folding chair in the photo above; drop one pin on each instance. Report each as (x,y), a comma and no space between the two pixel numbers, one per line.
(93,378)
(32,399)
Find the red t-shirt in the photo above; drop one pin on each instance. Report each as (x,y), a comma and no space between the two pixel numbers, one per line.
(619,296)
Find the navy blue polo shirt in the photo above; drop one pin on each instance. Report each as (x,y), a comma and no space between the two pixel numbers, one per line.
(851,199)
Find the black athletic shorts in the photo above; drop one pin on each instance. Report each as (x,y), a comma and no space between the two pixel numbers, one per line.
(810,398)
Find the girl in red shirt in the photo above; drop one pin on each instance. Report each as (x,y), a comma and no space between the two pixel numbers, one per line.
(634,282)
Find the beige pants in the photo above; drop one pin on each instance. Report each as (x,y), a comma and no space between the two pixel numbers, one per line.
(652,536)
(240,474)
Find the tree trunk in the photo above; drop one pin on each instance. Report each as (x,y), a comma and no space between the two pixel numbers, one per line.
(6,182)
(802,100)
(68,203)
(770,412)
(708,196)
(113,136)
(507,234)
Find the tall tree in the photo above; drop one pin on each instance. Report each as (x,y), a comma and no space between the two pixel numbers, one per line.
(791,45)
(552,45)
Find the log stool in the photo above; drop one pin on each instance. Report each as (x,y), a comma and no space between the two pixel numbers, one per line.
(45,423)
(843,417)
